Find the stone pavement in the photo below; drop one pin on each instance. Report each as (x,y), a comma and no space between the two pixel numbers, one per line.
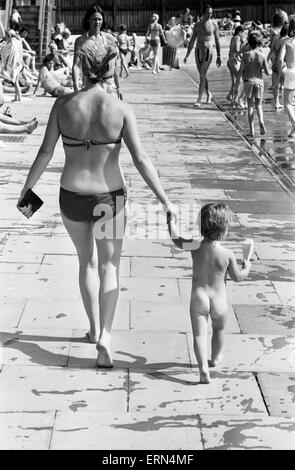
(51,394)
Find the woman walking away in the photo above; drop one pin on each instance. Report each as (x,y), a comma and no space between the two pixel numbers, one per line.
(155,32)
(92,124)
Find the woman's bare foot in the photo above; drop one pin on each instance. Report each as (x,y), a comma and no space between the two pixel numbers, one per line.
(292,133)
(216,360)
(104,358)
(92,337)
(31,127)
(209,98)
(262,128)
(204,377)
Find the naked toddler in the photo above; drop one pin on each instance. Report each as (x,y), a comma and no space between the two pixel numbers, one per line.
(211,263)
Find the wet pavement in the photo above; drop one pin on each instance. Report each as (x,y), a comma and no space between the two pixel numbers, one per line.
(52,394)
(274,148)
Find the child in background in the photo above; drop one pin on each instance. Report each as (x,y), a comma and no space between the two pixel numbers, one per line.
(253,64)
(211,264)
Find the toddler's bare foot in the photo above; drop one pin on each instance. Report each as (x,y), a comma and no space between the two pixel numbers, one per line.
(104,358)
(204,377)
(32,126)
(216,360)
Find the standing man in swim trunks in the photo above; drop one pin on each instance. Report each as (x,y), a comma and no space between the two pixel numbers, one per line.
(205,31)
(286,66)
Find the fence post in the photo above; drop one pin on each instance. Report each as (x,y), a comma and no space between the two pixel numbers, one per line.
(265,12)
(163,14)
(114,12)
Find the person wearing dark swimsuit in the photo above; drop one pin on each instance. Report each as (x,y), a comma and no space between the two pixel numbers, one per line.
(93,194)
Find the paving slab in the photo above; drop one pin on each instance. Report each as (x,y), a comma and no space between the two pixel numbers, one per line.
(132,431)
(247,433)
(180,391)
(36,286)
(172,316)
(43,389)
(266,319)
(26,431)
(254,353)
(65,314)
(274,270)
(135,350)
(285,291)
(11,311)
(35,348)
(279,251)
(279,393)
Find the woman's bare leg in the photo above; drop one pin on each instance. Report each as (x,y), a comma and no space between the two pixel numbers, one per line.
(109,256)
(81,234)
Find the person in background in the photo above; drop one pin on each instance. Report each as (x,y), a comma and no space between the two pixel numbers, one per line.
(48,81)
(205,32)
(234,59)
(102,44)
(253,65)
(155,32)
(15,18)
(277,78)
(286,63)
(29,55)
(146,55)
(123,46)
(10,125)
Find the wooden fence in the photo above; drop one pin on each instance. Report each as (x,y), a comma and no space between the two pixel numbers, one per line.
(136,14)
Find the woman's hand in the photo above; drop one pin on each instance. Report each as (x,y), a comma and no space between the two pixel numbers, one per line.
(171,212)
(25,210)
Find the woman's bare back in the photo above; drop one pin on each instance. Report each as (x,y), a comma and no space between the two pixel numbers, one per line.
(91,115)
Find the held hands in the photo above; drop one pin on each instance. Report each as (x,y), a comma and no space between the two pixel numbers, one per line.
(171,212)
(218,62)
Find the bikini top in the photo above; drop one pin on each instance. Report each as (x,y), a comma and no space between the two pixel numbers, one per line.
(88,143)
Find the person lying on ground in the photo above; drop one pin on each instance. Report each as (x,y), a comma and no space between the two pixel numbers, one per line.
(48,82)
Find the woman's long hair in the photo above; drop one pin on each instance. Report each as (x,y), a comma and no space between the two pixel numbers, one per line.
(88,14)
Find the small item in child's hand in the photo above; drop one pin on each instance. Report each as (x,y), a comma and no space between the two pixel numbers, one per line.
(248,248)
(31,198)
